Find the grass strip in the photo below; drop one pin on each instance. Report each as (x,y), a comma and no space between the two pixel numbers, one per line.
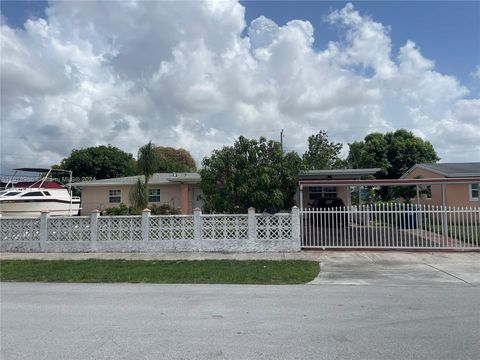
(167,272)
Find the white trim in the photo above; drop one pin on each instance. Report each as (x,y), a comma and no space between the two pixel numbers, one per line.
(155,195)
(110,196)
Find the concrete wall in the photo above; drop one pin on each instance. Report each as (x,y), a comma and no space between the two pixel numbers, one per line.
(220,233)
(455,194)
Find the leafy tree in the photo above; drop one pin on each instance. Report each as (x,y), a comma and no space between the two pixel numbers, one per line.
(393,152)
(100,162)
(322,154)
(250,173)
(174,160)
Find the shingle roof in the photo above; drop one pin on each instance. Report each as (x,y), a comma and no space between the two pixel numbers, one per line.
(466,169)
(338,173)
(156,179)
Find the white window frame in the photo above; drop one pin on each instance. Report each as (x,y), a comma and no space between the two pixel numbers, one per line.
(112,194)
(323,190)
(471,190)
(154,195)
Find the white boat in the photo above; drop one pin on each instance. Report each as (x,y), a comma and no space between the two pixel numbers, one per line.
(30,198)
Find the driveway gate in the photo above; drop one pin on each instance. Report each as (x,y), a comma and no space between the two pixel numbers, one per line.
(391,226)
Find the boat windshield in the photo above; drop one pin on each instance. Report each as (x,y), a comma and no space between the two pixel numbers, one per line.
(11,193)
(33,193)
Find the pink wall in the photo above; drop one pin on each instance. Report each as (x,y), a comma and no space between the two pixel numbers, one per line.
(455,194)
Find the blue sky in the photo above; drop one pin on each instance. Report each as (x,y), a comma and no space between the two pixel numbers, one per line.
(197,74)
(445,31)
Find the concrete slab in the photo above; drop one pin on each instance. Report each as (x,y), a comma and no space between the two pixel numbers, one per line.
(411,275)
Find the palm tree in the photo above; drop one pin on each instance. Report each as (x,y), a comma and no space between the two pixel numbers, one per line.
(139,196)
(148,163)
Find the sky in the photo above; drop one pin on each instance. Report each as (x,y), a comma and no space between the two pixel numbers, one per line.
(199,74)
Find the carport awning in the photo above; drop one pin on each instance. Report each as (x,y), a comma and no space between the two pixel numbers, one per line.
(390,182)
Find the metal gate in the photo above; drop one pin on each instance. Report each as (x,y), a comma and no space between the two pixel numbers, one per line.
(391,226)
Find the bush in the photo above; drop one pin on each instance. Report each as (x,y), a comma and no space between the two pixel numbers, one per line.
(123,209)
(164,209)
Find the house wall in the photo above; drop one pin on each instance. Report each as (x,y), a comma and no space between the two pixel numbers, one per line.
(97,197)
(455,194)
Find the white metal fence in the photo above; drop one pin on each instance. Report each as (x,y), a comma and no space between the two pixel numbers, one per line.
(198,232)
(398,226)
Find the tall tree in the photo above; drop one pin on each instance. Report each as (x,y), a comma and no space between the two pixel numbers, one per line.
(323,154)
(250,173)
(100,162)
(147,161)
(174,160)
(393,152)
(139,196)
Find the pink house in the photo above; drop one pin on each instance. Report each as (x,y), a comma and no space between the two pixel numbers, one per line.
(450,192)
(179,190)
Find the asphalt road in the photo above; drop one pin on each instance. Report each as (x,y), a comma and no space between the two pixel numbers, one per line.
(327,321)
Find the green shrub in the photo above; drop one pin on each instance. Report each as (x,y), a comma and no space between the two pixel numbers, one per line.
(123,209)
(164,209)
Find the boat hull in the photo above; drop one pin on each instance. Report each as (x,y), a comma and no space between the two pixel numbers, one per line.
(20,209)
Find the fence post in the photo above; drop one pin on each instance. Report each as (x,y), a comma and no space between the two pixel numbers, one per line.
(251,225)
(44,214)
(197,228)
(94,229)
(145,228)
(296,233)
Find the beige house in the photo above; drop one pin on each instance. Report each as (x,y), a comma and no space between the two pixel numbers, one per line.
(179,190)
(451,192)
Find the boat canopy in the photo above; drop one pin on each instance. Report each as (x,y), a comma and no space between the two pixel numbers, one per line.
(40,170)
(38,183)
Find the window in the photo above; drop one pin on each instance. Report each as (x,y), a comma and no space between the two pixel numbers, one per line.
(317,192)
(33,193)
(47,193)
(11,193)
(154,195)
(428,192)
(114,196)
(474,189)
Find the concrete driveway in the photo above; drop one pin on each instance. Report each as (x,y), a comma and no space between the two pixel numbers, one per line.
(396,269)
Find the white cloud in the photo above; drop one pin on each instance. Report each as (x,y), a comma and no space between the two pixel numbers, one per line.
(185,74)
(476,73)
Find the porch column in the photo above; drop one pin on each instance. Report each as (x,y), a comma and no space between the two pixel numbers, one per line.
(349,197)
(301,196)
(184,206)
(443,195)
(418,195)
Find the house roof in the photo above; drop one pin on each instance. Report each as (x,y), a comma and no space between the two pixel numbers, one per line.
(338,174)
(450,170)
(156,179)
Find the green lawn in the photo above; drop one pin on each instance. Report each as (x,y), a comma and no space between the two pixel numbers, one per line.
(168,272)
